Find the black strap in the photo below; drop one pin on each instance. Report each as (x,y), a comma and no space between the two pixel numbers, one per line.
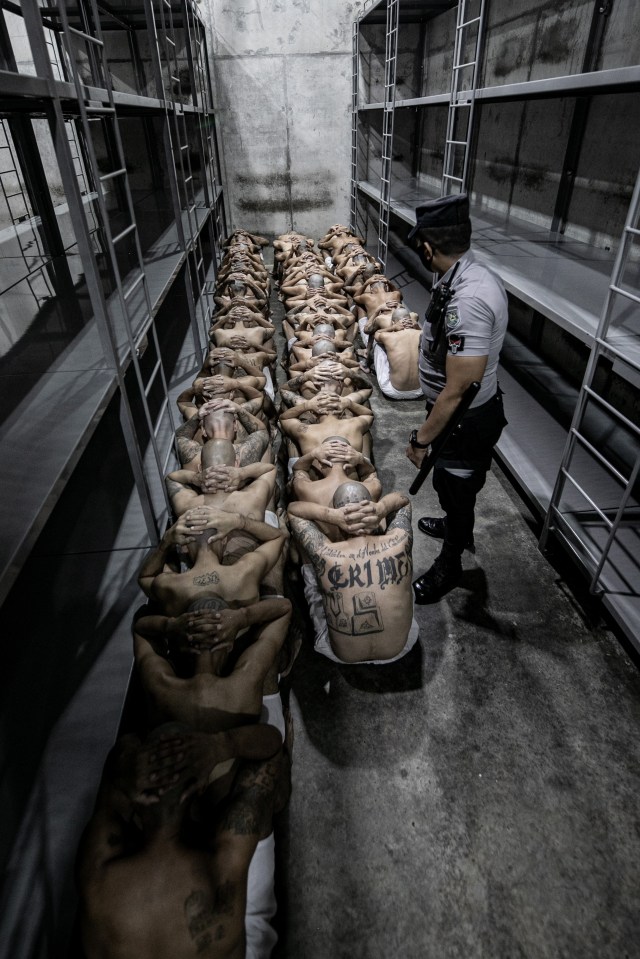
(440,440)
(436,311)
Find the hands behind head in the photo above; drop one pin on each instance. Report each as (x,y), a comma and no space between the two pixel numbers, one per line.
(221,354)
(214,384)
(358,518)
(188,758)
(328,371)
(181,533)
(204,631)
(325,403)
(216,405)
(333,451)
(228,479)
(200,518)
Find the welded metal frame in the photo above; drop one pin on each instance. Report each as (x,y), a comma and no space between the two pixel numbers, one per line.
(386,160)
(355,79)
(462,100)
(107,117)
(44,67)
(68,100)
(603,346)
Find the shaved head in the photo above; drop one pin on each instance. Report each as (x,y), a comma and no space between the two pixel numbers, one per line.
(351,492)
(323,346)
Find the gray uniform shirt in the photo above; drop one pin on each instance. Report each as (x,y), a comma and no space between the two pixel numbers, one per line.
(475,325)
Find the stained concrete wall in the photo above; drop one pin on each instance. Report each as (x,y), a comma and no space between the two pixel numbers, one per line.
(282,79)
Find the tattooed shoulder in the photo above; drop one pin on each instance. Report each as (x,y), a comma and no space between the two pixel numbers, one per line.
(402,521)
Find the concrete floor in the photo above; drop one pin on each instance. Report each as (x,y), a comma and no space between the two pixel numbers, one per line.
(480,797)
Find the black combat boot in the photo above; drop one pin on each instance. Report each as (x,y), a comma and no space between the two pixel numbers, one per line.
(441,578)
(436,526)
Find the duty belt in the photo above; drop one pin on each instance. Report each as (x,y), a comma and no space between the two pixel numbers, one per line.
(473,410)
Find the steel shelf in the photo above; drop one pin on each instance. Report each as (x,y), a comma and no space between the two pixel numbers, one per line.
(564,280)
(29,88)
(65,405)
(575,84)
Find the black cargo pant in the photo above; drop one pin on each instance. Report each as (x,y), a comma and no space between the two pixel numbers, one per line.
(469,448)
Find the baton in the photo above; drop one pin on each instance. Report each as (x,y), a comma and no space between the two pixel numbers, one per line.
(440,440)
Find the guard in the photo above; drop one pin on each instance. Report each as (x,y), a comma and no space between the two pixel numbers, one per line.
(464,328)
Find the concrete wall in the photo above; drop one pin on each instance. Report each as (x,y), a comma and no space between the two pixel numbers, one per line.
(282,79)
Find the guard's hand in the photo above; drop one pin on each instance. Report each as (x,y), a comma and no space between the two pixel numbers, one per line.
(416,456)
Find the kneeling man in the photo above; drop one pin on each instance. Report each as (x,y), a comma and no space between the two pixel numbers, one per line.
(359,589)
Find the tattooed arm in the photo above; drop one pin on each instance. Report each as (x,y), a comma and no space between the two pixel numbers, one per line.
(186,403)
(272,616)
(177,535)
(248,816)
(311,539)
(245,415)
(188,447)
(294,413)
(177,483)
(402,521)
(252,448)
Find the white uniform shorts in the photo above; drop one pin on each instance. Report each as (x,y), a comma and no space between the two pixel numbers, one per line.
(383,374)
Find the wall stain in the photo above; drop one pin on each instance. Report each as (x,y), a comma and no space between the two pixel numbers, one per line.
(557,41)
(324,200)
(510,57)
(266,179)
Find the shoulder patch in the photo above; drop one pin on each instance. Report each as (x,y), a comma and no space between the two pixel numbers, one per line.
(456,343)
(452,318)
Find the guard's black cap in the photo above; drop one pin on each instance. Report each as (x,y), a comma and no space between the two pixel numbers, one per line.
(445,211)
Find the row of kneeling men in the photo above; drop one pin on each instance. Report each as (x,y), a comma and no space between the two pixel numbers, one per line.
(178,858)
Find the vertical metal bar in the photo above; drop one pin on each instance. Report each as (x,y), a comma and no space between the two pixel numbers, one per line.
(114,144)
(391,55)
(456,103)
(626,496)
(597,351)
(155,49)
(145,285)
(355,74)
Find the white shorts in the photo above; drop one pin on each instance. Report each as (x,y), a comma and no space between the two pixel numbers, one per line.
(383,374)
(322,645)
(272,713)
(362,322)
(268,386)
(261,901)
(271,519)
